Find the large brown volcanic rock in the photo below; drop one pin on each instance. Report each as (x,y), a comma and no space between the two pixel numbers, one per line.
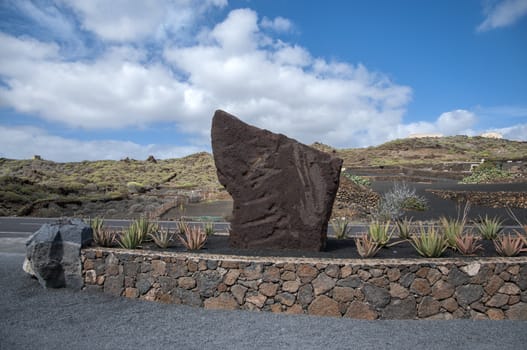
(283,190)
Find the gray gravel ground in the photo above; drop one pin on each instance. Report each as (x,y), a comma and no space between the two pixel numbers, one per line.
(34,318)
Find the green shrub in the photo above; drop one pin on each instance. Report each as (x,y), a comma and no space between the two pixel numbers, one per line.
(96,223)
(487,173)
(8,196)
(359,180)
(414,203)
(400,198)
(135,187)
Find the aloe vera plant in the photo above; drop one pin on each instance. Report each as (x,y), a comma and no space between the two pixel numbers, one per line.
(130,238)
(429,243)
(453,228)
(209,228)
(366,247)
(194,238)
(468,244)
(182,226)
(162,237)
(144,228)
(489,228)
(101,235)
(404,228)
(340,227)
(523,236)
(509,245)
(380,233)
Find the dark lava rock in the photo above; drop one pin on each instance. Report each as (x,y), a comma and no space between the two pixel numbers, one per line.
(283,190)
(53,253)
(400,309)
(377,296)
(468,294)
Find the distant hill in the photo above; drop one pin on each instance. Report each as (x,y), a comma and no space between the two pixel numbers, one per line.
(197,170)
(435,149)
(26,182)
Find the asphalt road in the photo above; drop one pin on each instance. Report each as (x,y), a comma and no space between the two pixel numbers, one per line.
(34,318)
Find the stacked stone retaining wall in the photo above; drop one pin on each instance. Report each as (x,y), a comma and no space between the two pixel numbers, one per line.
(490,288)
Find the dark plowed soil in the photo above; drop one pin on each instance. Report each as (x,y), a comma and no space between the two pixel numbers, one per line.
(442,207)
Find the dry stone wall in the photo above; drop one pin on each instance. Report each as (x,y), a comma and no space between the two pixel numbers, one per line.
(493,288)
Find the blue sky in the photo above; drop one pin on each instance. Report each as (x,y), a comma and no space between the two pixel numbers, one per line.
(97,79)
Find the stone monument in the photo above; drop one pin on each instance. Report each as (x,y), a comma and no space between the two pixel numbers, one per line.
(283,190)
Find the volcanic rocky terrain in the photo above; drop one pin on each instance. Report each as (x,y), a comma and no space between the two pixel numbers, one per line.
(167,189)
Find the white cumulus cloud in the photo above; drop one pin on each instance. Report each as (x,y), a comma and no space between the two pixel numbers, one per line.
(457,122)
(125,20)
(24,142)
(113,91)
(515,132)
(279,24)
(235,66)
(279,86)
(503,13)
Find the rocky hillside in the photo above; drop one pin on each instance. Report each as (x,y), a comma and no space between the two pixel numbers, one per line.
(41,187)
(32,187)
(435,149)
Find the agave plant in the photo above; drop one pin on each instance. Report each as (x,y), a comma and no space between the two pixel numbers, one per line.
(101,236)
(182,226)
(105,238)
(130,238)
(366,247)
(340,227)
(194,238)
(404,228)
(508,245)
(380,233)
(522,225)
(162,237)
(144,228)
(489,228)
(209,228)
(429,243)
(96,224)
(468,244)
(454,228)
